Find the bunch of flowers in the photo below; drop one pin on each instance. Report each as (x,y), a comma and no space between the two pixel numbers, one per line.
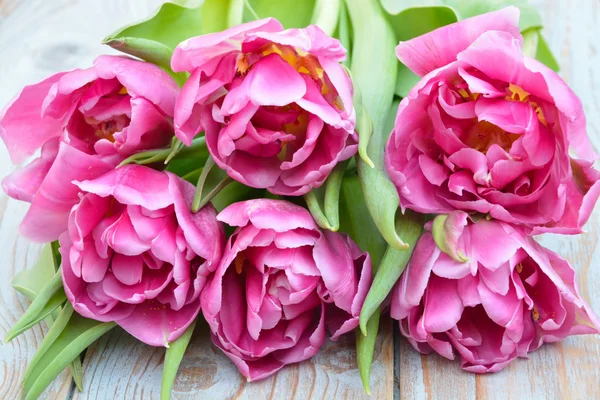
(251,176)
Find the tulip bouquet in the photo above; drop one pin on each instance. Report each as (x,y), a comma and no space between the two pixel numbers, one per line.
(274,169)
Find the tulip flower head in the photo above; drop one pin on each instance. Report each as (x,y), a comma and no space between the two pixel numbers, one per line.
(136,255)
(490,130)
(85,122)
(275,105)
(281,282)
(488,292)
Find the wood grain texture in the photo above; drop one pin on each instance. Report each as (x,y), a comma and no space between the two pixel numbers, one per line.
(41,37)
(119,367)
(18,254)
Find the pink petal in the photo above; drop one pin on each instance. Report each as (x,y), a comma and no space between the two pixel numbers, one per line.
(440,47)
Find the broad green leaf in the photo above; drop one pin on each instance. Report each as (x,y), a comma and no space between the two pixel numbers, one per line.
(173,357)
(544,55)
(212,179)
(412,18)
(291,13)
(30,281)
(365,347)
(53,303)
(326,14)
(406,80)
(155,38)
(344,32)
(410,225)
(530,18)
(463,9)
(530,42)
(190,159)
(233,193)
(417,21)
(57,327)
(37,306)
(356,221)
(77,335)
(374,70)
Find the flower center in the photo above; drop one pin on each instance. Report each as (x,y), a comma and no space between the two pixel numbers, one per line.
(484,134)
(301,61)
(107,129)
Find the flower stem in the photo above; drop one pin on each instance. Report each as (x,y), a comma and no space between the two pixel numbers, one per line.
(215,191)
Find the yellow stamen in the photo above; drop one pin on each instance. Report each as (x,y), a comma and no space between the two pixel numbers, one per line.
(535,314)
(123,90)
(519,268)
(517,93)
(484,134)
(239,263)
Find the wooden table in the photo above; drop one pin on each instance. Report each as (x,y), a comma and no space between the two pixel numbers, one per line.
(40,37)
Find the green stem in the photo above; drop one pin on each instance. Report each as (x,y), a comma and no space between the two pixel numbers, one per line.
(251,10)
(215,191)
(312,202)
(173,357)
(332,195)
(210,163)
(393,264)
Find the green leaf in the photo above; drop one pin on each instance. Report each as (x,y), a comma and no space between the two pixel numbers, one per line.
(77,335)
(211,181)
(406,80)
(462,9)
(233,193)
(155,38)
(530,17)
(291,13)
(345,32)
(328,216)
(412,18)
(365,348)
(39,307)
(544,54)
(54,302)
(190,159)
(374,70)
(356,221)
(56,328)
(416,21)
(173,357)
(326,14)
(410,225)
(30,281)
(530,42)
(313,200)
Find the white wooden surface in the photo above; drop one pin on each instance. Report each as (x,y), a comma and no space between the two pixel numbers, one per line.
(40,37)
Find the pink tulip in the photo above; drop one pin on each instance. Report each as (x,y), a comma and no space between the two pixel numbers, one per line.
(85,122)
(275,105)
(509,297)
(136,255)
(489,130)
(280,282)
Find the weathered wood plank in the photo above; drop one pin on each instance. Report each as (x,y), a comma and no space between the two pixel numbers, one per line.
(17,255)
(118,367)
